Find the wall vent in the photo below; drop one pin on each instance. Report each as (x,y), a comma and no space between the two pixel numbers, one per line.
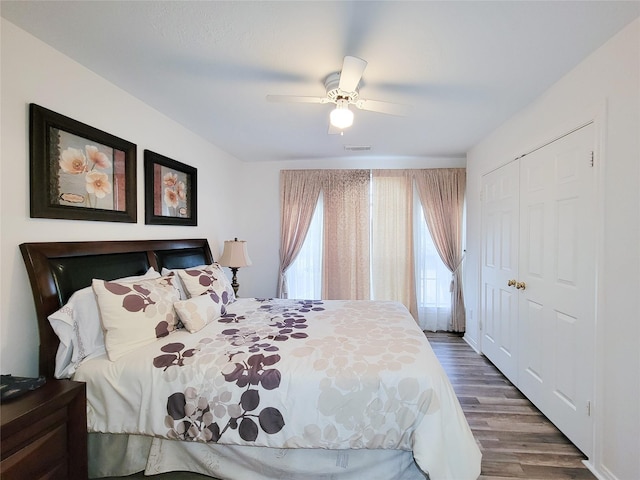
(357,148)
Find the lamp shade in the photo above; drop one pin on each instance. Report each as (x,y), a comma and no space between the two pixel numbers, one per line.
(235,254)
(341,117)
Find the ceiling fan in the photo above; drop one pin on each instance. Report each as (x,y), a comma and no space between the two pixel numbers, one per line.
(342,90)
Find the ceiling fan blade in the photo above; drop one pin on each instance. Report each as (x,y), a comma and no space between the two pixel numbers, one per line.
(351,73)
(295,99)
(388,108)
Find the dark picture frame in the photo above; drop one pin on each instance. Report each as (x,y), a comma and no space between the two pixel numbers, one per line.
(78,172)
(170,191)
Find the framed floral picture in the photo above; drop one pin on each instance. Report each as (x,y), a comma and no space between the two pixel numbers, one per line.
(78,172)
(170,191)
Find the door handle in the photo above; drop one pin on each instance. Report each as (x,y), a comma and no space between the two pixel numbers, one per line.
(520,285)
(511,283)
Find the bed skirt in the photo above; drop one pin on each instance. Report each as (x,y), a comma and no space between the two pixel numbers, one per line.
(113,455)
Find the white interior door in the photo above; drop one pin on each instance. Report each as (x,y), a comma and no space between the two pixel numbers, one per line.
(499,267)
(557,265)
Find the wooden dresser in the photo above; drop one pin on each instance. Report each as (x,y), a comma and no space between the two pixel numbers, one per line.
(43,434)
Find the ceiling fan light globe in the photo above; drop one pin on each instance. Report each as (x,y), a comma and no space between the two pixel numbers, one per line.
(341,117)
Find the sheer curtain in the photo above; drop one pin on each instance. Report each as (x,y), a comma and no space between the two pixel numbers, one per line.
(441,193)
(392,257)
(345,256)
(433,278)
(304,275)
(299,191)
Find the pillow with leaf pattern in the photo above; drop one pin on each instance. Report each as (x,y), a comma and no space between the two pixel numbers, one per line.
(210,280)
(135,314)
(197,312)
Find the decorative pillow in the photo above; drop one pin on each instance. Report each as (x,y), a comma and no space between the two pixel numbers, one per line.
(210,279)
(78,327)
(196,312)
(178,283)
(135,314)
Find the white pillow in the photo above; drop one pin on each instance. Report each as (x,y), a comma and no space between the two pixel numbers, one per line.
(197,312)
(209,279)
(77,325)
(135,314)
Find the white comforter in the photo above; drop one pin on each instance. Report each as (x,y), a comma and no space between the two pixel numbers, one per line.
(291,374)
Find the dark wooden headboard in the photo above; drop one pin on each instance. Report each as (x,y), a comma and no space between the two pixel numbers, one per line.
(57,269)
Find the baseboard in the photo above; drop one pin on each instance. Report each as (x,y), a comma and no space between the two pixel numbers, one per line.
(606,475)
(474,347)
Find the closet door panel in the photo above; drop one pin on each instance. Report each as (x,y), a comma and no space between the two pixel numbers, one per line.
(564,388)
(575,286)
(532,331)
(535,270)
(499,266)
(559,273)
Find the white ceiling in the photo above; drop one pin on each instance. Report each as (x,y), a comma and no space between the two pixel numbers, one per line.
(464,67)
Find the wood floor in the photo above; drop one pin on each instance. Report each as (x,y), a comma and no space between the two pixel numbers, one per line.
(516,440)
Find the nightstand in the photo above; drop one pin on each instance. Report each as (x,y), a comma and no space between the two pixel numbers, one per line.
(43,433)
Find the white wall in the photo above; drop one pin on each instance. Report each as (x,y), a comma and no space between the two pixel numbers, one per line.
(32,72)
(604,87)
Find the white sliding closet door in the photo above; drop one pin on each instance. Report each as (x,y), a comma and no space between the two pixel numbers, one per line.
(539,279)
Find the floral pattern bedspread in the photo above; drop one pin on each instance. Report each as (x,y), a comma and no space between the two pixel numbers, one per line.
(291,374)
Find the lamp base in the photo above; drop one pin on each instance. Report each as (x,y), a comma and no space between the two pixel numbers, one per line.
(234,280)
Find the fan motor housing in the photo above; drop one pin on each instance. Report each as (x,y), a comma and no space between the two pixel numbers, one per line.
(333,90)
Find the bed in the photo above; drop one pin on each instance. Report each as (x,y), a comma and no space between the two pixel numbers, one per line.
(190,378)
